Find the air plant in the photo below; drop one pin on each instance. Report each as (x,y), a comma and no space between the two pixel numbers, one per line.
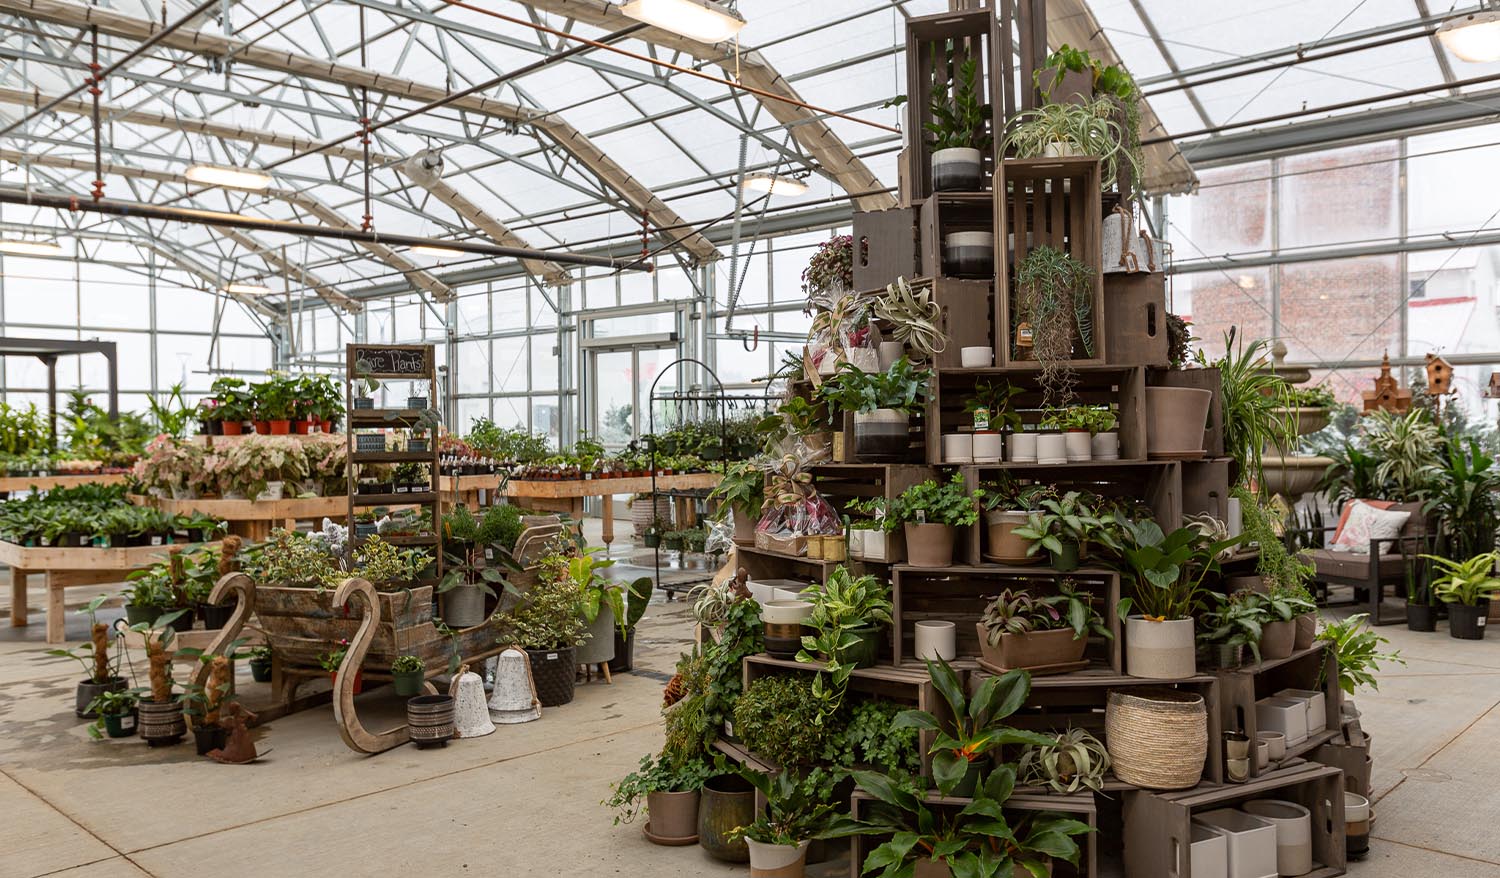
(914,318)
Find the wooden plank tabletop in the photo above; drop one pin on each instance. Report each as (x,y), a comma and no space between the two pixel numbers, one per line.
(609,487)
(37,558)
(25,483)
(251,510)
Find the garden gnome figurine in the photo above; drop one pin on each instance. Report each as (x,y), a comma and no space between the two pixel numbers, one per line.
(471,718)
(514,700)
(239,749)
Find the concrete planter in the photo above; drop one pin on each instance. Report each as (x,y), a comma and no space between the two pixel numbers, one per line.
(1175,420)
(959,169)
(777,860)
(1277,638)
(1293,833)
(674,817)
(1159,650)
(929,545)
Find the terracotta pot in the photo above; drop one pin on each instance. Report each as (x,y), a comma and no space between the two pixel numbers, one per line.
(1160,650)
(300,427)
(1034,649)
(263,428)
(1175,420)
(929,545)
(744,528)
(1004,545)
(728,802)
(674,816)
(1307,630)
(1276,639)
(233,428)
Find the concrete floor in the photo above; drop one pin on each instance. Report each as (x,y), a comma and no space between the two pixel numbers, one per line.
(527,798)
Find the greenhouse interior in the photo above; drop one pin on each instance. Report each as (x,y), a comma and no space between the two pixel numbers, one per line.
(896,438)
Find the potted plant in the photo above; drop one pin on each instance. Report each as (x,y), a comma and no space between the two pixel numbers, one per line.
(913,317)
(1283,605)
(603,608)
(1054,318)
(201,705)
(1253,399)
(671,792)
(1057,130)
(114,714)
(872,531)
(637,597)
(960,132)
(1165,572)
(1076,424)
(993,417)
(850,611)
(1230,624)
(1064,526)
(1039,633)
(930,511)
(407,674)
(102,672)
(1421,603)
(548,623)
(1075,761)
(652,537)
(333,659)
(1007,508)
(1356,650)
(260,664)
(1466,587)
(793,816)
(972,731)
(673,540)
(882,404)
(160,714)
(741,493)
(148,595)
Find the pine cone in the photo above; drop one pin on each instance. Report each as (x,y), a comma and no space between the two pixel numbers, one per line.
(674,692)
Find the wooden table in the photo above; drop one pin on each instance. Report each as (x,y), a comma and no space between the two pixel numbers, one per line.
(68,568)
(567,495)
(254,519)
(464,490)
(26,483)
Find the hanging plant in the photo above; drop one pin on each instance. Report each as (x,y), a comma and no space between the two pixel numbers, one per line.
(1054,298)
(831,269)
(913,317)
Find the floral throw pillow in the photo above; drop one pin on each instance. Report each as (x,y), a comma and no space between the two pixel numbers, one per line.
(1364,522)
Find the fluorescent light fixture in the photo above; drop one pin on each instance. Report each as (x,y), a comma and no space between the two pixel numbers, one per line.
(247,289)
(1246,282)
(774,184)
(434,250)
(702,20)
(232,178)
(29,247)
(1473,37)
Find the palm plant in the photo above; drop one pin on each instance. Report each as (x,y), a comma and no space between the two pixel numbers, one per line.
(1463,495)
(1354,474)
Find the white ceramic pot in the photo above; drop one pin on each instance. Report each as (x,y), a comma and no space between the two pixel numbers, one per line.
(969,254)
(1078,445)
(883,546)
(1249,841)
(987,447)
(1317,707)
(1159,650)
(1209,856)
(1275,744)
(857,543)
(1234,518)
(1262,754)
(864,359)
(775,859)
(1021,447)
(936,639)
(958,448)
(1293,833)
(785,612)
(976,357)
(1058,149)
(1105,446)
(890,352)
(273,491)
(958,169)
(1051,448)
(1285,715)
(1356,808)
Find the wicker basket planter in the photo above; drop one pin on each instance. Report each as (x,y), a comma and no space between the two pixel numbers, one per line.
(1157,738)
(553,671)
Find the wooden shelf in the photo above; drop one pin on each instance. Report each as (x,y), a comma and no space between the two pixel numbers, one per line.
(1262,667)
(392,499)
(421,540)
(1312,743)
(1080,465)
(1002,570)
(383,417)
(391,457)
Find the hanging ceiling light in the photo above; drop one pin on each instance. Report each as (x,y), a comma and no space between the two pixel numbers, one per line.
(247,289)
(1474,37)
(702,20)
(775,184)
(232,178)
(30,247)
(440,252)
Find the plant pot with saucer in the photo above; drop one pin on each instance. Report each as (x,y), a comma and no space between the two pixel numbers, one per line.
(930,513)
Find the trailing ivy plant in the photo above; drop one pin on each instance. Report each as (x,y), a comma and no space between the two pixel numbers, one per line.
(1055,298)
(1276,565)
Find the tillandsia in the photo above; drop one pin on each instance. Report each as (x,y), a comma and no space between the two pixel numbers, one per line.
(914,318)
(1055,301)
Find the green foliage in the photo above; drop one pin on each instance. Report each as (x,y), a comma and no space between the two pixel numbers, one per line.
(960,118)
(1088,128)
(1165,570)
(742,487)
(550,615)
(1276,565)
(778,718)
(712,679)
(1179,341)
(1465,582)
(1357,648)
(408,664)
(994,400)
(1093,418)
(794,811)
(1055,295)
(870,738)
(1059,521)
(118,703)
(902,387)
(655,775)
(510,446)
(1407,450)
(1463,496)
(913,317)
(1019,612)
(1255,402)
(1233,620)
(842,604)
(933,502)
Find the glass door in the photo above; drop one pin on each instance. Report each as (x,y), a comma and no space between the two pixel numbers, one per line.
(621,380)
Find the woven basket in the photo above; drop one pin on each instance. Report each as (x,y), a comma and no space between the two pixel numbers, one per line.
(1157,738)
(553,671)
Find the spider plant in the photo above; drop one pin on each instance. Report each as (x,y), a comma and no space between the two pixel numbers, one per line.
(1255,404)
(1083,129)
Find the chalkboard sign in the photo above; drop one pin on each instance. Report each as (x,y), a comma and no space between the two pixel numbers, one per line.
(392,361)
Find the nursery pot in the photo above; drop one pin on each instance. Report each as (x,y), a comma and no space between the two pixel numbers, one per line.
(407,683)
(1421,617)
(970,781)
(136,614)
(1307,630)
(206,738)
(182,623)
(599,648)
(233,428)
(1226,656)
(782,621)
(674,816)
(957,169)
(864,653)
(777,860)
(928,545)
(120,725)
(1159,650)
(463,606)
(260,670)
(969,254)
(1466,621)
(1005,546)
(881,435)
(215,616)
(744,527)
(1034,649)
(161,723)
(624,660)
(1277,639)
(1065,560)
(728,802)
(1175,420)
(552,670)
(88,690)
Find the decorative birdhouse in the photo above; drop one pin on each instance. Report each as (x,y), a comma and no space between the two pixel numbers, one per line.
(1493,391)
(1387,395)
(1439,375)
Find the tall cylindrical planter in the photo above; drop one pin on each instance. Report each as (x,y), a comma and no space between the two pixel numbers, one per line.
(1159,650)
(969,254)
(782,622)
(161,723)
(1157,738)
(777,860)
(881,435)
(553,672)
(463,606)
(936,639)
(728,802)
(673,817)
(1277,639)
(599,648)
(1466,621)
(929,545)
(1356,825)
(624,660)
(957,169)
(88,690)
(1176,418)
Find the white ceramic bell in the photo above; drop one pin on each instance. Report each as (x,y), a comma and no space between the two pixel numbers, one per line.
(514,699)
(471,718)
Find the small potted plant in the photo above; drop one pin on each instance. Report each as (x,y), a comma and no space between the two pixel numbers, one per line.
(102,670)
(874,533)
(651,539)
(960,132)
(741,493)
(671,792)
(931,512)
(1007,509)
(1282,605)
(1076,761)
(848,613)
(674,540)
(793,816)
(160,713)
(1466,587)
(1103,427)
(882,404)
(114,714)
(1064,526)
(993,416)
(260,664)
(549,625)
(1039,633)
(1230,624)
(333,658)
(1421,604)
(407,674)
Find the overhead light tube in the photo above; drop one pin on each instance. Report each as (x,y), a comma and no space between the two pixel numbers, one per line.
(702,20)
(230,178)
(247,289)
(775,184)
(30,247)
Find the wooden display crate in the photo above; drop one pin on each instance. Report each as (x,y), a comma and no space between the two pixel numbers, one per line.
(1158,826)
(945,213)
(771,564)
(885,247)
(1135,319)
(1241,688)
(1053,202)
(1079,806)
(936,46)
(1123,389)
(1153,482)
(1206,379)
(839,483)
(1354,760)
(1079,700)
(966,307)
(959,594)
(1205,487)
(916,432)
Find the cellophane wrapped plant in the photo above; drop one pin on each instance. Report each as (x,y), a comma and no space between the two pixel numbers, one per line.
(794,507)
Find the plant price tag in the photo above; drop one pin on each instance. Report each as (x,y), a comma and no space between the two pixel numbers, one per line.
(921,516)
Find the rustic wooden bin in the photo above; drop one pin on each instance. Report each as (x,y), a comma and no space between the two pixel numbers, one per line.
(1053,202)
(885,248)
(1158,826)
(1205,487)
(1135,319)
(1205,379)
(946,212)
(929,64)
(1241,688)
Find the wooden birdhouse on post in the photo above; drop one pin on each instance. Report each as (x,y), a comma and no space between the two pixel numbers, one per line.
(1388,395)
(1493,390)
(1439,376)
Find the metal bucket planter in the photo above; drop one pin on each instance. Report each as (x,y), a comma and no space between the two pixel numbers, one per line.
(463,606)
(553,671)
(88,690)
(600,647)
(728,802)
(429,720)
(161,723)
